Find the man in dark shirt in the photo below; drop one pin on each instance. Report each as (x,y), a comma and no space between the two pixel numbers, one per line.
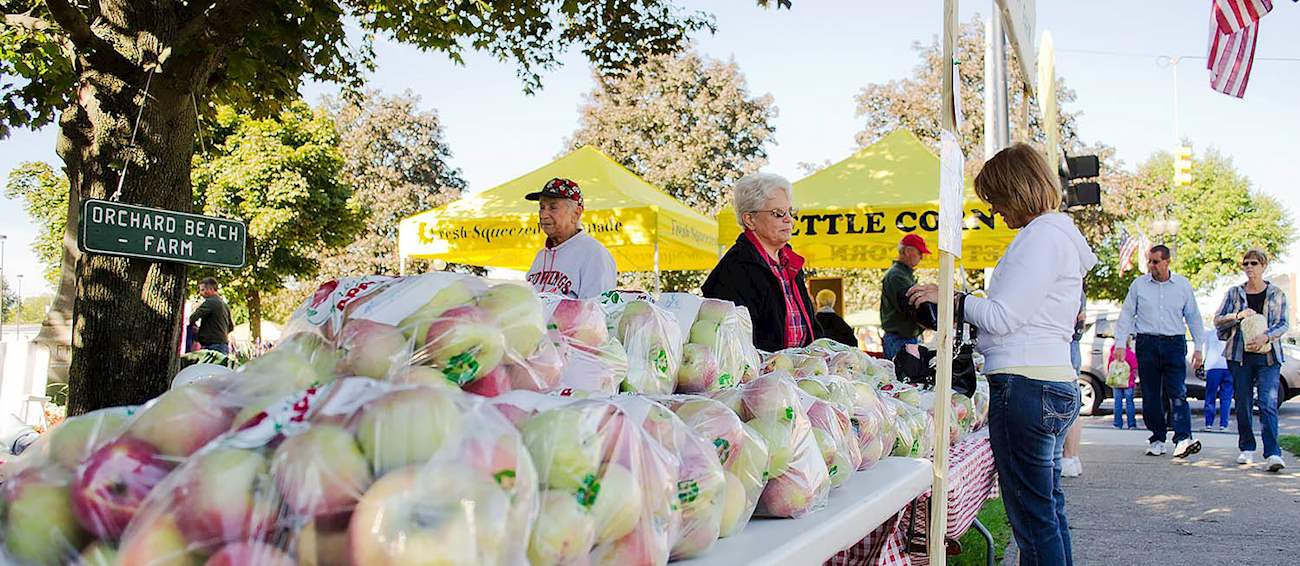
(213,318)
(896,321)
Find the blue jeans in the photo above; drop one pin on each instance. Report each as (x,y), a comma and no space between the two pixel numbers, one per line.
(1028,420)
(1247,378)
(1218,387)
(1124,403)
(223,348)
(894,344)
(1162,370)
(1076,359)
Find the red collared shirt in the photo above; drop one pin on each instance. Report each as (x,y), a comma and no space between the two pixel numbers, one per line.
(785,268)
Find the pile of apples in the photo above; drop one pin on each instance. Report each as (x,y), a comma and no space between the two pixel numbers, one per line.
(594,359)
(362,472)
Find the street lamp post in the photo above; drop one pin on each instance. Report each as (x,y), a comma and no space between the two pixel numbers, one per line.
(2,282)
(18,310)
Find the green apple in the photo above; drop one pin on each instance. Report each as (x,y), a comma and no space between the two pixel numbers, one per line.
(41,527)
(320,471)
(618,504)
(182,420)
(75,438)
(564,445)
(565,530)
(156,541)
(734,506)
(518,312)
(407,427)
(777,434)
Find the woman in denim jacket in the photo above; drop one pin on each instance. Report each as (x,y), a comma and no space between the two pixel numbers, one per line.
(1256,365)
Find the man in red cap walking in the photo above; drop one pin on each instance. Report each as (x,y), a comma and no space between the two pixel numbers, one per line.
(572,263)
(896,321)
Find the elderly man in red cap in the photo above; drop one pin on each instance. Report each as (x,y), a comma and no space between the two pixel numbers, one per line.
(896,320)
(573,263)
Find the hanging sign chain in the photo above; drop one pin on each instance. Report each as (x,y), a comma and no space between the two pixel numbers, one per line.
(134,130)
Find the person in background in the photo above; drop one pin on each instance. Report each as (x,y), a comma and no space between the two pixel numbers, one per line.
(1255,364)
(761,272)
(1218,384)
(572,263)
(1160,309)
(832,326)
(1124,395)
(1025,326)
(1071,467)
(213,318)
(900,328)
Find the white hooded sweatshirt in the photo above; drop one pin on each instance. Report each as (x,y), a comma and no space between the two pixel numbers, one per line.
(580,268)
(1033,297)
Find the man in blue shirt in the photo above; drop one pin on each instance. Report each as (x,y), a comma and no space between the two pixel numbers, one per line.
(1161,309)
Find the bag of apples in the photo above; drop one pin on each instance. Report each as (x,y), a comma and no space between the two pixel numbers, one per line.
(798,481)
(867,419)
(719,334)
(652,339)
(356,472)
(741,451)
(593,359)
(609,489)
(701,485)
(485,336)
(833,432)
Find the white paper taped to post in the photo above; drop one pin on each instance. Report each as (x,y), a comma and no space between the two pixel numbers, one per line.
(952,185)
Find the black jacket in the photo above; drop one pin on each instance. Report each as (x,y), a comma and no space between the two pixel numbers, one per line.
(836,329)
(743,277)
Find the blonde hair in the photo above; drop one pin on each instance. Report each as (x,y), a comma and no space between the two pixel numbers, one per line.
(825,298)
(1019,183)
(1256,254)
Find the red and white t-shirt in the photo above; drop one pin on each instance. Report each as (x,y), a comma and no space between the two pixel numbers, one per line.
(580,267)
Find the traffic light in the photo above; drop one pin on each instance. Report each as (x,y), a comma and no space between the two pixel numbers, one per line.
(1081,167)
(1183,167)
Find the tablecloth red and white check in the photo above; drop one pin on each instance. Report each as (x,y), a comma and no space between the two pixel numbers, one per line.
(972,480)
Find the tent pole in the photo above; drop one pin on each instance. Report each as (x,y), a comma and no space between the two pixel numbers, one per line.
(401,264)
(658,280)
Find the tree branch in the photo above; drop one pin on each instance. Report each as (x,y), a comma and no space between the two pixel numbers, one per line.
(29,23)
(72,21)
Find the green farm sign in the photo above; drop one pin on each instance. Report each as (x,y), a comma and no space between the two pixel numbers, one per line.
(115,228)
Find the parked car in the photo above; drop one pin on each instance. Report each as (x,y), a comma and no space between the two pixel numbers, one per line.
(1099,335)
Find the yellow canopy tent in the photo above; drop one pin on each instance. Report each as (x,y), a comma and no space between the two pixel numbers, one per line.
(643,227)
(853,213)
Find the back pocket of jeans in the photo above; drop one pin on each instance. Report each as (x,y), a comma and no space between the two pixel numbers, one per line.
(1060,405)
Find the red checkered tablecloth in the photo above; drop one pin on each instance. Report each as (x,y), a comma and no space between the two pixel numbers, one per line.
(972,480)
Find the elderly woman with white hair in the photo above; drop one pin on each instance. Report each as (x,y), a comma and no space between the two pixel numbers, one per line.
(760,271)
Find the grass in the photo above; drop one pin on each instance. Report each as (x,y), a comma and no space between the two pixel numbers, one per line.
(1291,443)
(994,517)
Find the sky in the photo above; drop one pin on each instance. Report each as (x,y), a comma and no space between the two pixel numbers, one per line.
(815,58)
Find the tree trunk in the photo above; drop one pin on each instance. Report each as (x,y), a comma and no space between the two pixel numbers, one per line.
(127,314)
(255,313)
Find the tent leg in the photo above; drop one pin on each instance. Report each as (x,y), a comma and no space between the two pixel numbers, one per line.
(658,280)
(401,265)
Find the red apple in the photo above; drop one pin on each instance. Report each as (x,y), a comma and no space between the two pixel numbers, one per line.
(699,371)
(248,554)
(320,471)
(581,320)
(110,486)
(372,349)
(182,420)
(494,383)
(227,496)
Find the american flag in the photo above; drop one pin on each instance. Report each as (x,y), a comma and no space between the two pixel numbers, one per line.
(1127,249)
(1232,54)
(1233,15)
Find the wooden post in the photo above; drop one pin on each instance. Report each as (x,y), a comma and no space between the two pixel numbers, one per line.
(943,377)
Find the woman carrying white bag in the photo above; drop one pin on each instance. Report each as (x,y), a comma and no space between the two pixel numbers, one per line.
(1251,321)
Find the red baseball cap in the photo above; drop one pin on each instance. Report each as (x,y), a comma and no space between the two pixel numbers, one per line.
(915,241)
(558,187)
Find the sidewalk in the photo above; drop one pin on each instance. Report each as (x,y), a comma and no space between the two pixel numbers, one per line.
(1130,508)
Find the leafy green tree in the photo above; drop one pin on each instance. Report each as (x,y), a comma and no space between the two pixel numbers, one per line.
(44,193)
(682,121)
(282,176)
(126,79)
(398,163)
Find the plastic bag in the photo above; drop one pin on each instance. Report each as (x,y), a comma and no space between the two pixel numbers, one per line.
(740,450)
(594,360)
(832,388)
(1253,327)
(609,488)
(359,471)
(833,432)
(721,327)
(798,481)
(653,342)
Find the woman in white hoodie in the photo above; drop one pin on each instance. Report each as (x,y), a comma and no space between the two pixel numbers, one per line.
(1025,328)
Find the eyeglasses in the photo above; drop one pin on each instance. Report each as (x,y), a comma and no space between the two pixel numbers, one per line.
(779,214)
(1249,263)
(1154,261)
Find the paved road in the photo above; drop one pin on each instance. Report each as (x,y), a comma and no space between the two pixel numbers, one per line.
(1288,419)
(1128,508)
